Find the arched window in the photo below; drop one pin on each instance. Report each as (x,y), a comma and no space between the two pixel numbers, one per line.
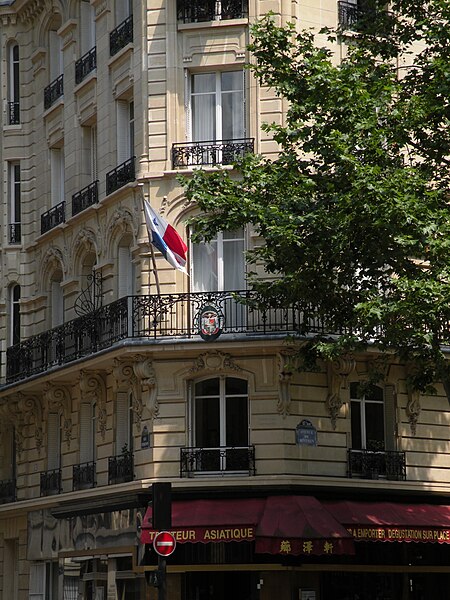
(14,302)
(220,423)
(13,85)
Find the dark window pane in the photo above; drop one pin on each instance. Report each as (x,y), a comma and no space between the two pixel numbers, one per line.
(234,386)
(356,425)
(374,426)
(209,387)
(237,422)
(207,422)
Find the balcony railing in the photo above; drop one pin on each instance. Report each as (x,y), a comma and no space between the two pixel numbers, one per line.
(210,153)
(15,233)
(195,11)
(120,176)
(84,198)
(156,317)
(51,482)
(85,65)
(223,460)
(84,476)
(13,113)
(370,464)
(121,36)
(121,468)
(53,217)
(53,91)
(7,491)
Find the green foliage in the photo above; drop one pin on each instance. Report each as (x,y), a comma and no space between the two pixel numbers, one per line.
(355,209)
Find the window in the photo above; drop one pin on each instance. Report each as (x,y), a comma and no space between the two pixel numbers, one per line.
(8,458)
(124,9)
(53,441)
(56,65)
(217,106)
(44,581)
(56,300)
(220,423)
(87,432)
(11,569)
(125,130)
(124,422)
(14,302)
(57,175)
(219,264)
(87,26)
(126,272)
(15,225)
(13,85)
(367,418)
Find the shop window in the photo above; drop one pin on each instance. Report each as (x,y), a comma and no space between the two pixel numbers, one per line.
(15,209)
(13,85)
(219,264)
(220,424)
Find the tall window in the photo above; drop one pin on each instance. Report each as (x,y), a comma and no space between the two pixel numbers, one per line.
(56,300)
(217,106)
(8,457)
(57,175)
(53,441)
(13,84)
(125,130)
(124,422)
(126,272)
(44,581)
(219,264)
(15,223)
(55,55)
(89,155)
(87,432)
(220,419)
(14,303)
(367,418)
(87,26)
(124,9)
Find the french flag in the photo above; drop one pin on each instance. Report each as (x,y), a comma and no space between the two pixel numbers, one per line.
(164,237)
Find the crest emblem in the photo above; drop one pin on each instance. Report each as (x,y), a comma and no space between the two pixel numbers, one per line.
(210,322)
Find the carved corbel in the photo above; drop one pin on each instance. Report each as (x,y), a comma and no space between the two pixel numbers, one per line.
(31,406)
(413,406)
(58,399)
(93,389)
(338,372)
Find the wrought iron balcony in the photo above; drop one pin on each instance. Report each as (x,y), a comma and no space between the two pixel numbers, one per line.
(13,113)
(7,491)
(53,91)
(84,476)
(223,460)
(211,153)
(85,65)
(15,233)
(53,217)
(51,482)
(120,176)
(121,36)
(121,468)
(370,464)
(195,11)
(154,318)
(84,198)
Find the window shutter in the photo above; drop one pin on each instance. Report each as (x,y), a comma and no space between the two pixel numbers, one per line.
(53,441)
(86,437)
(37,581)
(122,422)
(390,417)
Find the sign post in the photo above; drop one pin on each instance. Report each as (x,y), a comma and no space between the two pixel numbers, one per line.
(164,542)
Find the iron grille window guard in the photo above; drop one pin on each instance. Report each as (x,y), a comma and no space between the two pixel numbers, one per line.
(13,113)
(7,491)
(154,317)
(51,482)
(195,11)
(53,217)
(121,468)
(53,91)
(368,464)
(15,233)
(121,36)
(84,198)
(224,460)
(84,476)
(120,176)
(85,65)
(211,153)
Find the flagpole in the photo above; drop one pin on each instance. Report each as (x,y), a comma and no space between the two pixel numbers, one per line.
(155,270)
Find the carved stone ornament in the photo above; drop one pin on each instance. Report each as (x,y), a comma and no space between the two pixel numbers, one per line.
(214,361)
(138,373)
(413,406)
(58,399)
(93,389)
(338,372)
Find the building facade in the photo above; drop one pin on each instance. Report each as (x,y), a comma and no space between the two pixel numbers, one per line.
(118,371)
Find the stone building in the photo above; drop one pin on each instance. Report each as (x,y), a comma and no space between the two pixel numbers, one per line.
(118,371)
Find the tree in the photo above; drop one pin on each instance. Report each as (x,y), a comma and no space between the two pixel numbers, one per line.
(354,211)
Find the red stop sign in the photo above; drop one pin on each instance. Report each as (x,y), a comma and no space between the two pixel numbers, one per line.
(164,543)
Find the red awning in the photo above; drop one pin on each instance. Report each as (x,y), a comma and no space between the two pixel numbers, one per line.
(393,522)
(279,524)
